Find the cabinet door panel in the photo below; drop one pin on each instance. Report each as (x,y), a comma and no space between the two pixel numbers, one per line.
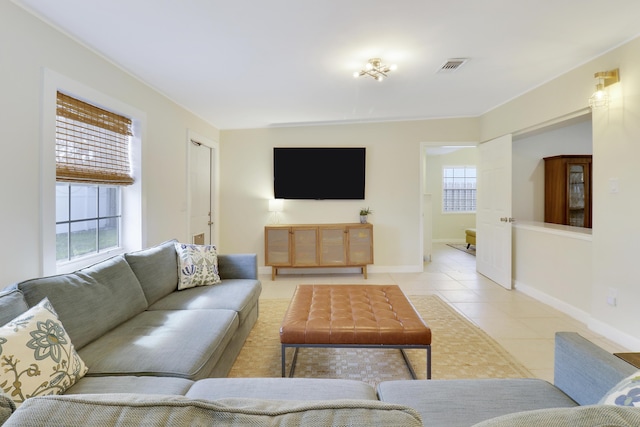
(360,245)
(333,246)
(277,247)
(305,246)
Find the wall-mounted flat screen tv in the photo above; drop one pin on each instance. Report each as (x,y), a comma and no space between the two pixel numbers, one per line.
(321,173)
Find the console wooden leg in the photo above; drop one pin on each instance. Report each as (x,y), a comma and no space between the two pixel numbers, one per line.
(364,271)
(273,273)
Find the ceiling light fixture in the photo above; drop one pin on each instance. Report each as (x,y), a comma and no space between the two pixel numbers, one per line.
(600,98)
(376,69)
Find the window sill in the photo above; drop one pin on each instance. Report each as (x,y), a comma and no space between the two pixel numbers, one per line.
(86,261)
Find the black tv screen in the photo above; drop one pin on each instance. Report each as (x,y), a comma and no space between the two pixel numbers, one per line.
(319,173)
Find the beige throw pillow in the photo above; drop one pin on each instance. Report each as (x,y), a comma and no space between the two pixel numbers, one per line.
(37,357)
(197,265)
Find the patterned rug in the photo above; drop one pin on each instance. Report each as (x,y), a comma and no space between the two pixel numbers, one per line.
(463,248)
(460,349)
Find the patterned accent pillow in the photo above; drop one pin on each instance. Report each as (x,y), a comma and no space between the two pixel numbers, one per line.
(197,265)
(625,393)
(36,355)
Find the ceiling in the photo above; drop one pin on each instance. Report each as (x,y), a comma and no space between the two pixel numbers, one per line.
(260,63)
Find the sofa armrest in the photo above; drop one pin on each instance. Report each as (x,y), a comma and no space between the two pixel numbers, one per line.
(238,266)
(585,371)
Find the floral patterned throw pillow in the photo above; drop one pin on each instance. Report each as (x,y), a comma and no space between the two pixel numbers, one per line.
(36,355)
(625,393)
(197,265)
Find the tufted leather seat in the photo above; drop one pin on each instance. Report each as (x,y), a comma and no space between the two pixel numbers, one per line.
(352,314)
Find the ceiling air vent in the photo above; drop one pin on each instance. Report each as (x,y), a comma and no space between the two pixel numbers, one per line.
(452,65)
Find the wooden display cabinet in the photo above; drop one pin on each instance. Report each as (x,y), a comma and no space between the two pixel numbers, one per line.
(567,190)
(319,246)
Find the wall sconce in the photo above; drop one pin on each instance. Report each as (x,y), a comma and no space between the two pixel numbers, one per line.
(600,98)
(275,206)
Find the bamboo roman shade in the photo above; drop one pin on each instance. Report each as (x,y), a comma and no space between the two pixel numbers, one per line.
(92,144)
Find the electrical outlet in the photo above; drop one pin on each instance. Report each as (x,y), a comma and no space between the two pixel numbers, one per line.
(614,185)
(612,297)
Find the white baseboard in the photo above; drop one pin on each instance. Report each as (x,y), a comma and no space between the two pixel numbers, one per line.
(595,325)
(449,241)
(554,302)
(613,334)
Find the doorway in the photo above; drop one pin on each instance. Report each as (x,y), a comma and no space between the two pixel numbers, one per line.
(202,189)
(439,226)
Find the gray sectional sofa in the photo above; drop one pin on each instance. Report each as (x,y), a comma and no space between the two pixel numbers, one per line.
(158,356)
(584,374)
(135,331)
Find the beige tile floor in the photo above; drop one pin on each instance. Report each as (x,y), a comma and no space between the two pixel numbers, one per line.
(521,324)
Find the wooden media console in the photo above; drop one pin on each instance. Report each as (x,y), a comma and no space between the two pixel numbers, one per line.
(318,246)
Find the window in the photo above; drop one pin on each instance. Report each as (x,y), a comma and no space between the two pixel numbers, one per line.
(459,189)
(92,165)
(88,220)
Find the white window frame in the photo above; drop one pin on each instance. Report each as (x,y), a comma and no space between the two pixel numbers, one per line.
(132,231)
(465,167)
(72,218)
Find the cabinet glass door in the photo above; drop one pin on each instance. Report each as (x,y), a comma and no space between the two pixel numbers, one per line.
(576,193)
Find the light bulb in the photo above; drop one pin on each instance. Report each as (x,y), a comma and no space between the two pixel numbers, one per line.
(599,99)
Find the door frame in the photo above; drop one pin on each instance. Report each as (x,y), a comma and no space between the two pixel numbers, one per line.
(425,246)
(194,137)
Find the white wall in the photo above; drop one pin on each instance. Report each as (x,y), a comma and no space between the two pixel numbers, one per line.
(540,249)
(29,47)
(393,187)
(448,227)
(616,148)
(528,164)
(616,132)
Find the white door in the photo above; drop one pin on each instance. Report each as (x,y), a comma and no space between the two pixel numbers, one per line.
(493,216)
(200,174)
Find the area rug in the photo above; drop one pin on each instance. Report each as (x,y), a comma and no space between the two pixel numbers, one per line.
(463,248)
(460,350)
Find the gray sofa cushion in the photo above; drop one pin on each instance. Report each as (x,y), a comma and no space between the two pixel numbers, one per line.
(126,410)
(12,304)
(582,416)
(238,266)
(91,301)
(157,270)
(131,384)
(453,403)
(177,343)
(578,362)
(281,389)
(239,295)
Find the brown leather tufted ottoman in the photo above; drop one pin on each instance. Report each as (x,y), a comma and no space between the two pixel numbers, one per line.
(374,316)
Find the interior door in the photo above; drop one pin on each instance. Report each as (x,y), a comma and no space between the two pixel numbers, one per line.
(200,172)
(493,216)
